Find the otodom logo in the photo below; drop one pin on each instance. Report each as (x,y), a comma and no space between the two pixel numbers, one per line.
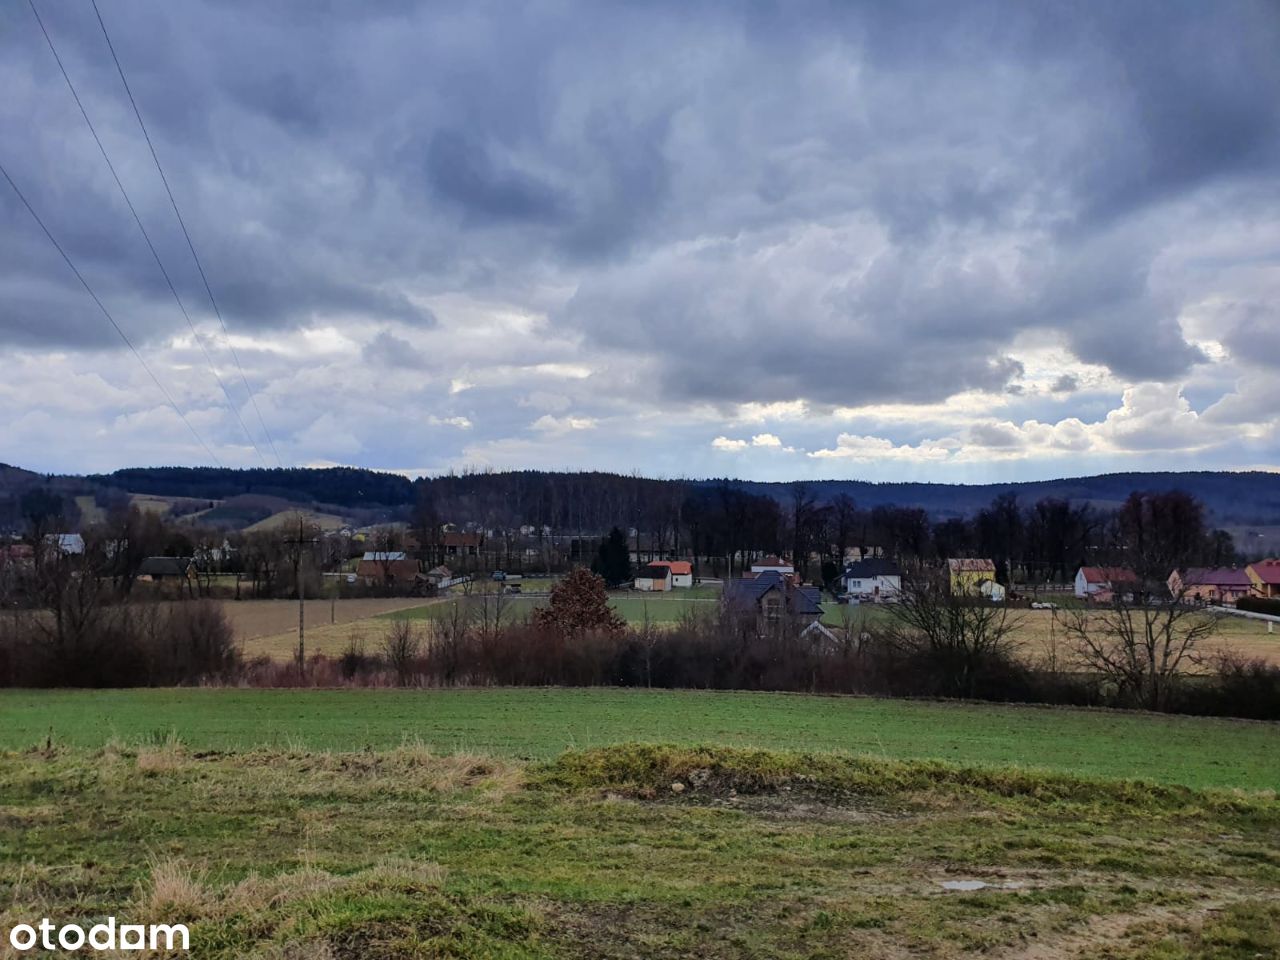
(107,935)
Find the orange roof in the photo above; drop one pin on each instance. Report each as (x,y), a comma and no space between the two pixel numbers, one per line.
(679,568)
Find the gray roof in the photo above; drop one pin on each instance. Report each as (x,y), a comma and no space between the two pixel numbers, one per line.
(801,601)
(872,567)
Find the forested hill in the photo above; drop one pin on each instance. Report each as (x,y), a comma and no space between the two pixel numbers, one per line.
(1232,498)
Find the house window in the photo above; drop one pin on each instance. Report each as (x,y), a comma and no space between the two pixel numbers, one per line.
(773,608)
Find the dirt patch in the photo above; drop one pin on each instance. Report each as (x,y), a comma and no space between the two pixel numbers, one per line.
(1100,933)
(252,619)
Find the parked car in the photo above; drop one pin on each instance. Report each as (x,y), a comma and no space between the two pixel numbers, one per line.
(499,575)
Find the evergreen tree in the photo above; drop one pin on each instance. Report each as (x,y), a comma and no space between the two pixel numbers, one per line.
(613,561)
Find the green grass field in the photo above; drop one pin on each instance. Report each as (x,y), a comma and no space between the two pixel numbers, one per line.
(386,825)
(539,723)
(626,852)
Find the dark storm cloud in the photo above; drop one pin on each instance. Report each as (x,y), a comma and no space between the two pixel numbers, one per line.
(846,203)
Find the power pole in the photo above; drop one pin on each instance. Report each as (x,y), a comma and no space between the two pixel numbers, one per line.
(298,543)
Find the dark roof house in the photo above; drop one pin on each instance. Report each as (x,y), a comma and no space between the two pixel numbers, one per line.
(872,567)
(773,596)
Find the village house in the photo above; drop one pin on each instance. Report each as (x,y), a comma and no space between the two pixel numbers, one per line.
(873,579)
(1210,584)
(655,577)
(966,574)
(1103,583)
(774,564)
(1264,577)
(777,602)
(438,576)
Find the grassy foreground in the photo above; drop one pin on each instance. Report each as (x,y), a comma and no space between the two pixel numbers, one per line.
(540,723)
(632,852)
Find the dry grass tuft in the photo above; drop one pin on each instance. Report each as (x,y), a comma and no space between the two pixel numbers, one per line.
(165,757)
(177,891)
(463,771)
(255,893)
(298,950)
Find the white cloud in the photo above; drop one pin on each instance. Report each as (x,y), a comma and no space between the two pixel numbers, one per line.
(549,424)
(853,447)
(727,445)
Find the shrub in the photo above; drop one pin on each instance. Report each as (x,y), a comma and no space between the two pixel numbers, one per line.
(1259,605)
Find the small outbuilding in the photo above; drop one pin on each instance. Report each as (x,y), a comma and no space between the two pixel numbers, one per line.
(681,572)
(654,577)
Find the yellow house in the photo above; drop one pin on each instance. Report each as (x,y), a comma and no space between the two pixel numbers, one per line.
(1265,577)
(967,574)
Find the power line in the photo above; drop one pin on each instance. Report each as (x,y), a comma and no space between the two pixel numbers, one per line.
(182,223)
(146,236)
(110,319)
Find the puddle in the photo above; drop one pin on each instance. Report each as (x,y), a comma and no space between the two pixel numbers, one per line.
(969,885)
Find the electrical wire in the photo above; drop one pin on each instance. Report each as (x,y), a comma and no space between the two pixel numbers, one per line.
(110,319)
(182,223)
(146,236)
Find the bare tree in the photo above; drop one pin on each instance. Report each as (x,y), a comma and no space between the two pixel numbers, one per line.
(400,649)
(961,635)
(1142,648)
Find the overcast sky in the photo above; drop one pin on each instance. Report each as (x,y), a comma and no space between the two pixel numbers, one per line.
(926,241)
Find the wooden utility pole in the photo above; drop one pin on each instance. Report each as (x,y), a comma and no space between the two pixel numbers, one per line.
(297,580)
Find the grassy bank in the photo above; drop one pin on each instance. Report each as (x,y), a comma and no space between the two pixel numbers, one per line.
(541,723)
(631,852)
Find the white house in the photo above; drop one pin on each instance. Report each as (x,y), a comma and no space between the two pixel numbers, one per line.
(765,564)
(1103,582)
(655,576)
(873,579)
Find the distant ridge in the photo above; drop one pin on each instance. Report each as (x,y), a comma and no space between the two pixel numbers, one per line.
(1233,498)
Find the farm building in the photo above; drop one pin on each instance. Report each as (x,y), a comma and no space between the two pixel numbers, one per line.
(166,568)
(776,601)
(456,543)
(681,572)
(386,566)
(1210,584)
(16,553)
(771,564)
(1103,583)
(965,574)
(1265,578)
(873,579)
(655,577)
